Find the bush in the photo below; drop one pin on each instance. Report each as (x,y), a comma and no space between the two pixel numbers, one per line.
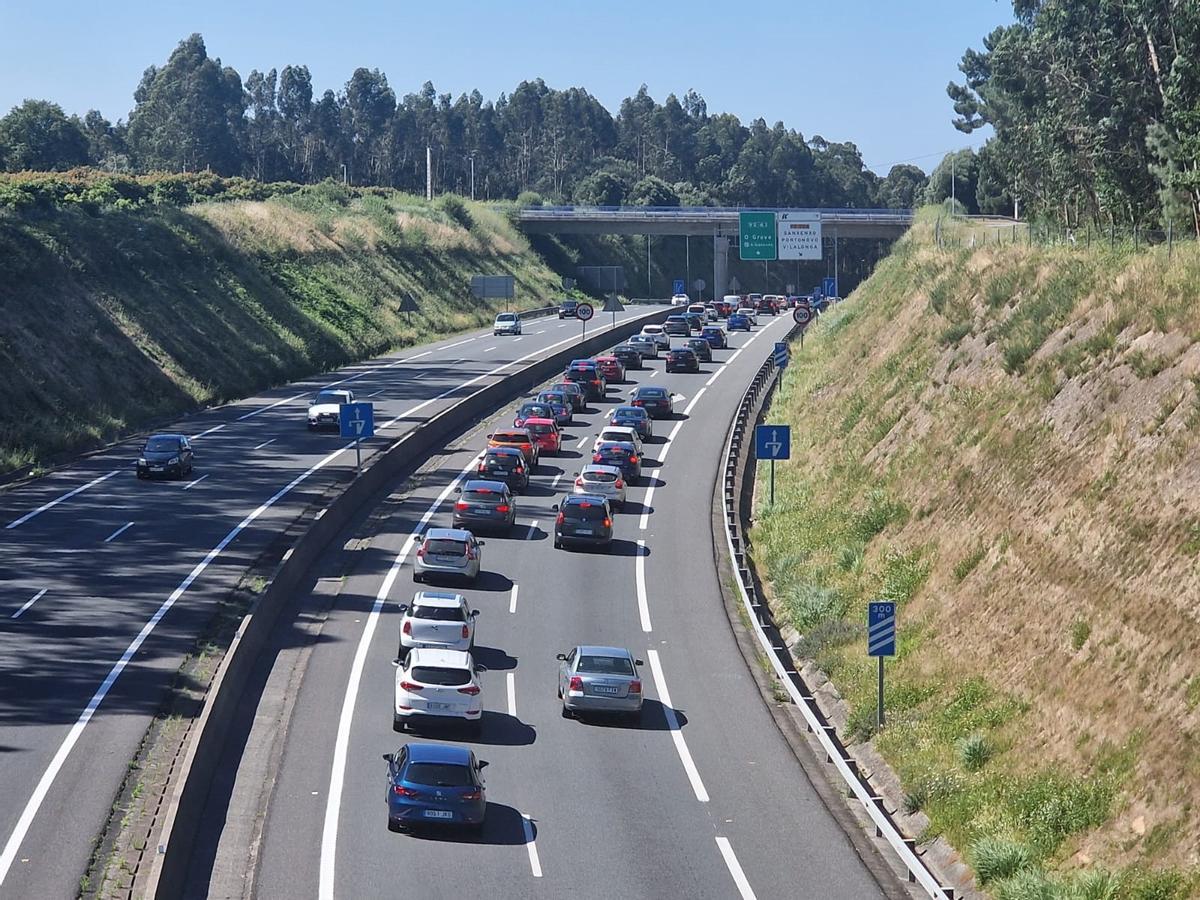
(996,858)
(1028,884)
(810,605)
(974,751)
(528,198)
(453,206)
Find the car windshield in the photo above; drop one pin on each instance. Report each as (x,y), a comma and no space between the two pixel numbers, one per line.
(438,613)
(439,775)
(162,444)
(439,675)
(506,317)
(603,477)
(583,512)
(330,397)
(446,547)
(652,329)
(604,665)
(539,428)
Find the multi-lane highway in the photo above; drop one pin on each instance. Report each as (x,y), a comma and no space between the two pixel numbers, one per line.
(105,581)
(703,799)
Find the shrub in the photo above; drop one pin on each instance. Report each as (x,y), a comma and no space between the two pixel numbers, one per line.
(1028,884)
(997,858)
(529,198)
(880,511)
(810,605)
(453,206)
(1080,632)
(967,564)
(974,751)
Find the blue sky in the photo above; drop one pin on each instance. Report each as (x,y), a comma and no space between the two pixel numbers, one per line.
(869,71)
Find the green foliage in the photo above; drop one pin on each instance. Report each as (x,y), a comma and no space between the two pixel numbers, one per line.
(1046,309)
(880,511)
(1145,366)
(997,858)
(974,751)
(38,135)
(1080,631)
(967,564)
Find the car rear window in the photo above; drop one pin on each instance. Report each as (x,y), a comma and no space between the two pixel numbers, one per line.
(438,613)
(482,495)
(439,775)
(500,459)
(604,665)
(653,393)
(603,477)
(612,450)
(581,512)
(629,412)
(538,428)
(446,546)
(511,437)
(610,434)
(440,675)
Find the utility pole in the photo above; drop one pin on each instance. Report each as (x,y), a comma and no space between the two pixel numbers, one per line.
(428,173)
(687,256)
(472,177)
(647,267)
(344,179)
(953,200)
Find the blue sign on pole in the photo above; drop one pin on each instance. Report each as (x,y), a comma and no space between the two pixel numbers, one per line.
(357,420)
(781,354)
(773,442)
(679,287)
(881,629)
(829,287)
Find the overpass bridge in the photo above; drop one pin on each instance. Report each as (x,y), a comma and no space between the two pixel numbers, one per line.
(720,223)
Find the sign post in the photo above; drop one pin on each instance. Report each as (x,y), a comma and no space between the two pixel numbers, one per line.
(881,641)
(756,235)
(357,420)
(802,315)
(773,442)
(613,305)
(781,358)
(585,311)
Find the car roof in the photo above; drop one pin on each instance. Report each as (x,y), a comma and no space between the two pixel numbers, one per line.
(484,484)
(448,534)
(444,599)
(452,754)
(649,329)
(510,432)
(435,656)
(624,429)
(507,315)
(676,316)
(600,650)
(597,467)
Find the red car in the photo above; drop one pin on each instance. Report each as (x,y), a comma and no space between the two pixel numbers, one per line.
(545,434)
(610,367)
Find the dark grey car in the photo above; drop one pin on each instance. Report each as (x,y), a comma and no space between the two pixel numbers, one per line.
(583,520)
(484,504)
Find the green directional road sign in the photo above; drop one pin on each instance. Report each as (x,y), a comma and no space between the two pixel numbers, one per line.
(757,235)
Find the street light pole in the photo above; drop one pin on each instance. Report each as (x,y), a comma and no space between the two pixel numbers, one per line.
(472,177)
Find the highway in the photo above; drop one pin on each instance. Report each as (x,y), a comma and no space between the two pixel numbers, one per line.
(105,580)
(703,799)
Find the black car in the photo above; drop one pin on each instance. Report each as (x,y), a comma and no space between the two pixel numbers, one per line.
(588,377)
(701,347)
(568,309)
(682,359)
(583,519)
(628,355)
(166,455)
(655,400)
(620,455)
(484,504)
(633,417)
(505,464)
(695,321)
(677,326)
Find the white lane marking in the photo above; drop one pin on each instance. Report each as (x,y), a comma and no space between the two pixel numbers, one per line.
(535,864)
(263,409)
(645,519)
(411,358)
(490,349)
(28,603)
(735,869)
(512,695)
(192,484)
(207,431)
(640,577)
(685,755)
(654,374)
(264,443)
(557,478)
(583,440)
(376,393)
(564,324)
(341,746)
(687,411)
(421,374)
(459,344)
(53,503)
(674,431)
(515,340)
(512,603)
(116,534)
(60,757)
(533,529)
(715,375)
(543,331)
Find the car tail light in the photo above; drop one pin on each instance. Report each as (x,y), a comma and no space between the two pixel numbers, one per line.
(461,504)
(635,686)
(633,457)
(607,523)
(561,518)
(407,629)
(411,686)
(576,683)
(421,552)
(471,795)
(471,689)
(638,403)
(596,457)
(619,484)
(466,632)
(402,791)
(520,470)
(502,508)
(470,553)
(578,482)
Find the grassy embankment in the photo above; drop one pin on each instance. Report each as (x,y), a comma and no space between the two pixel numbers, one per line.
(116,318)
(1006,441)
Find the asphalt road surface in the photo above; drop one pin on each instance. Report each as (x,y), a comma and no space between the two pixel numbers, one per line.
(105,580)
(703,799)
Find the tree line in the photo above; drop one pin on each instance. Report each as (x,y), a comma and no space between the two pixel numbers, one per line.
(194,114)
(1096,111)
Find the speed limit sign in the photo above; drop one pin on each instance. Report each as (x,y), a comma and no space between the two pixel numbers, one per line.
(803,314)
(584,311)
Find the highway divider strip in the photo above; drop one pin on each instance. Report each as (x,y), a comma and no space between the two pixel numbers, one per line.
(737,484)
(193,774)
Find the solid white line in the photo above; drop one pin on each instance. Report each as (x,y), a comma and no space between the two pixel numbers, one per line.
(116,534)
(557,477)
(535,864)
(512,695)
(512,603)
(518,339)
(264,443)
(459,344)
(639,571)
(688,409)
(674,431)
(685,756)
(490,349)
(411,358)
(583,440)
(341,746)
(206,432)
(53,503)
(532,534)
(263,409)
(715,375)
(646,501)
(28,603)
(735,869)
(654,374)
(421,375)
(192,484)
(376,393)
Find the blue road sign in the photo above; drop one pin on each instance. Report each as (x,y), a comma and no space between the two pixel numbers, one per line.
(679,287)
(881,629)
(773,442)
(781,354)
(829,287)
(357,419)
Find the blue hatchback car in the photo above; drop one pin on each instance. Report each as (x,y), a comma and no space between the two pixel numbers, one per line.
(737,322)
(633,417)
(715,337)
(435,784)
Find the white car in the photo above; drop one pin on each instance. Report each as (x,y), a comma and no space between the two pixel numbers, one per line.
(659,336)
(749,314)
(507,323)
(324,411)
(646,345)
(680,299)
(699,310)
(437,620)
(437,684)
(618,433)
(605,481)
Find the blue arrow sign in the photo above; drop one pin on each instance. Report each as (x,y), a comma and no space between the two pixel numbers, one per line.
(781,354)
(357,420)
(881,629)
(773,442)
(829,286)
(678,287)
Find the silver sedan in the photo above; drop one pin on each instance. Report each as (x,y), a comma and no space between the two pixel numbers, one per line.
(605,481)
(594,679)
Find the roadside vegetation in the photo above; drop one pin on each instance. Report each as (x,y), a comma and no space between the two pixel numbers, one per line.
(1005,440)
(125,303)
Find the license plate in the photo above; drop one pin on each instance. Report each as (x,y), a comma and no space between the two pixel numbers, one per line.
(601,689)
(483,510)
(584,531)
(156,468)
(437,706)
(448,559)
(438,814)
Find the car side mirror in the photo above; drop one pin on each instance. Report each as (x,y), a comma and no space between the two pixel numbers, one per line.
(554,507)
(482,764)
(481,543)
(458,490)
(480,668)
(397,662)
(403,607)
(388,757)
(561,656)
(638,662)
(576,474)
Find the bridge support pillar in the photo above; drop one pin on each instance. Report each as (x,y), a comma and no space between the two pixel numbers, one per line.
(720,265)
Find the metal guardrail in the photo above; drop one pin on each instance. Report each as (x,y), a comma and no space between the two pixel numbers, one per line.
(706,213)
(737,459)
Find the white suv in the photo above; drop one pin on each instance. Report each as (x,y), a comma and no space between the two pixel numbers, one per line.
(507,323)
(437,684)
(660,337)
(325,409)
(437,620)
